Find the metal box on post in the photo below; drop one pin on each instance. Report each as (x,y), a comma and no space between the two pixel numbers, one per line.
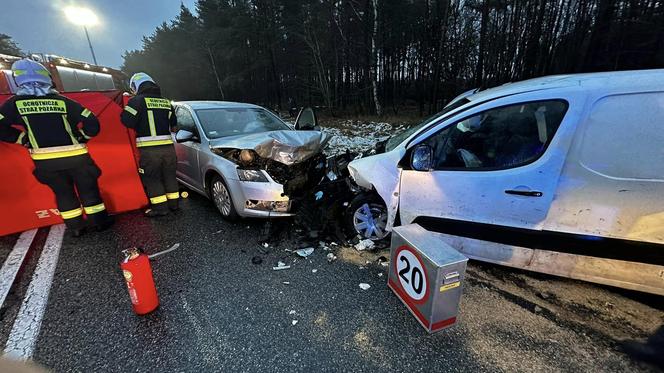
(427,275)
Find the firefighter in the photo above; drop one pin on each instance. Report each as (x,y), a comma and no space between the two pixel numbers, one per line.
(153,118)
(56,129)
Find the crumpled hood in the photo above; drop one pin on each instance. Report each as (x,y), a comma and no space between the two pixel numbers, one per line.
(287,146)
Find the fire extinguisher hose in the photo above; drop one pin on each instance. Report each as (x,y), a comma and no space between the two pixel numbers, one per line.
(175,246)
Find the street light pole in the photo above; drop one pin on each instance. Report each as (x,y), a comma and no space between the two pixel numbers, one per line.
(90,44)
(83,17)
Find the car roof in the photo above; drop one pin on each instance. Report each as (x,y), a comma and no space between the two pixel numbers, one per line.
(216,104)
(608,81)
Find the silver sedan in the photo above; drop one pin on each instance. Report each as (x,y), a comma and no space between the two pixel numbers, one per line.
(244,158)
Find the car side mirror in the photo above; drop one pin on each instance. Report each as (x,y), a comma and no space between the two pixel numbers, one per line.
(422,158)
(306,120)
(184,136)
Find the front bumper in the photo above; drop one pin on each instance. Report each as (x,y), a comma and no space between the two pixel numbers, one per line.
(259,200)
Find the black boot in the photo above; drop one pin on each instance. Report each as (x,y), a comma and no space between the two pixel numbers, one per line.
(107,223)
(78,232)
(151,213)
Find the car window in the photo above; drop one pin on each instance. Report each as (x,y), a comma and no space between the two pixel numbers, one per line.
(185,120)
(624,135)
(498,138)
(237,121)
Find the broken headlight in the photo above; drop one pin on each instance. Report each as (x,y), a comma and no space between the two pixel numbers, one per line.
(251,175)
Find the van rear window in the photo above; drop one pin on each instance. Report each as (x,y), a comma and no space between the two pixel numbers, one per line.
(624,137)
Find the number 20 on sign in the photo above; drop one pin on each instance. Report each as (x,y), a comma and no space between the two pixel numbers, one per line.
(411,273)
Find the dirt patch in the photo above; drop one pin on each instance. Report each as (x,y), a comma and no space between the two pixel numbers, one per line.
(587,308)
(361,258)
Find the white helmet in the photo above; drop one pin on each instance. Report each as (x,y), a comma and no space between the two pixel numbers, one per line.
(28,71)
(138,79)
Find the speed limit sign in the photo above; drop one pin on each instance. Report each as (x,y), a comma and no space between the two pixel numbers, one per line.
(426,274)
(412,274)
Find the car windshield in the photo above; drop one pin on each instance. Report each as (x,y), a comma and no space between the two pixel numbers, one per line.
(397,139)
(238,121)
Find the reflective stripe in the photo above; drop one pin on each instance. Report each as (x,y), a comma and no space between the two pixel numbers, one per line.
(20,138)
(175,195)
(153,140)
(2,117)
(86,113)
(154,143)
(95,209)
(31,137)
(169,115)
(71,213)
(18,72)
(58,152)
(153,129)
(68,129)
(131,110)
(158,199)
(84,134)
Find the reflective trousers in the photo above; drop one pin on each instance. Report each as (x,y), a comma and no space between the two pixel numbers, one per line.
(74,182)
(157,169)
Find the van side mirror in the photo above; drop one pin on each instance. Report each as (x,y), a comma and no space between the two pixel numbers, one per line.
(306,120)
(421,158)
(184,136)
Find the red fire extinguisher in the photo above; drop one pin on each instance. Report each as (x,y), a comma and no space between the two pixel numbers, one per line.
(138,275)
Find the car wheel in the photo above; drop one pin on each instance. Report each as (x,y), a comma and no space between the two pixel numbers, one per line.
(367,217)
(222,198)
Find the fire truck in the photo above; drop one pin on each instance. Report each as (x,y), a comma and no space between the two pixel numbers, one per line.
(68,75)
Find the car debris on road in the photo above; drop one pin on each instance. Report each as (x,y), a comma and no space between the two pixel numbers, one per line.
(305,252)
(280,266)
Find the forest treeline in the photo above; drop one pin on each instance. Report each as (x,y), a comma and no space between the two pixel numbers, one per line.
(368,56)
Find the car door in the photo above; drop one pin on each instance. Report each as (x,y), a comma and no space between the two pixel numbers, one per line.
(188,169)
(497,164)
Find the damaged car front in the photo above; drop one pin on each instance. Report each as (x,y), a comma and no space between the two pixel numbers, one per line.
(246,159)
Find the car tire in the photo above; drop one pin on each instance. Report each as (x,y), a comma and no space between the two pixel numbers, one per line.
(366,217)
(222,199)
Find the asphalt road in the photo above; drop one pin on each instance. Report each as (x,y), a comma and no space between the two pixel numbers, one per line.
(221,312)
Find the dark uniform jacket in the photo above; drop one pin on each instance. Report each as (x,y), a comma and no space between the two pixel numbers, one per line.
(151,115)
(47,121)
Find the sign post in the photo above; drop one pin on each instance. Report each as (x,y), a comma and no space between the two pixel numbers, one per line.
(426,274)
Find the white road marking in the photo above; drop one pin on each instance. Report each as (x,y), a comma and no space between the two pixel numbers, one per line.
(13,263)
(23,337)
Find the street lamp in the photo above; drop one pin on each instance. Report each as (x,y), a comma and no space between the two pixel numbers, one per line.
(83,17)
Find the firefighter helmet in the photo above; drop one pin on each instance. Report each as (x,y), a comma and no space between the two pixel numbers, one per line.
(28,71)
(138,79)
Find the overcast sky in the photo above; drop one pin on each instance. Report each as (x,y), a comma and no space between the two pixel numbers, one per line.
(40,26)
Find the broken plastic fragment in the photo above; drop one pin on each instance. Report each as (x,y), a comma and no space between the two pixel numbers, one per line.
(280,266)
(319,195)
(331,257)
(292,312)
(305,252)
(266,245)
(364,286)
(314,270)
(293,322)
(364,245)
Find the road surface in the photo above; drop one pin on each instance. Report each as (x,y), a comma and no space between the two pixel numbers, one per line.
(220,311)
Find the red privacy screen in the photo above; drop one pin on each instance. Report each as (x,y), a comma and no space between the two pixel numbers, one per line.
(27,204)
